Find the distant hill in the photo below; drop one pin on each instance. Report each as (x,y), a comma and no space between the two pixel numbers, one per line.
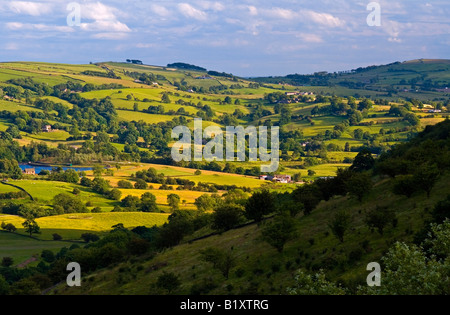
(408,76)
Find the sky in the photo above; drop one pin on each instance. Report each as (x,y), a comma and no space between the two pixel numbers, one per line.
(247,38)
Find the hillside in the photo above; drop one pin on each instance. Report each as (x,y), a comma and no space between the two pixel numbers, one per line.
(421,79)
(261,269)
(103,188)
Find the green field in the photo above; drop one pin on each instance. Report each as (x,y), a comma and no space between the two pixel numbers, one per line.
(21,248)
(71,226)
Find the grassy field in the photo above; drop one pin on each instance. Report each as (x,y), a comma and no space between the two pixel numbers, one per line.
(21,248)
(71,226)
(40,192)
(259,265)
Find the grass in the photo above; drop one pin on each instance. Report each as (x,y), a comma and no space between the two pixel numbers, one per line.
(313,247)
(40,191)
(71,226)
(20,248)
(12,106)
(148,118)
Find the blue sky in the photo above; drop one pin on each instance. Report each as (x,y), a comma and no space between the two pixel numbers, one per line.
(246,37)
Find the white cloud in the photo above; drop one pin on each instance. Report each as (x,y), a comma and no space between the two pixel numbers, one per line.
(213,6)
(98,12)
(252,10)
(191,12)
(161,10)
(112,36)
(324,19)
(105,26)
(14,26)
(310,38)
(105,21)
(29,8)
(11,46)
(282,13)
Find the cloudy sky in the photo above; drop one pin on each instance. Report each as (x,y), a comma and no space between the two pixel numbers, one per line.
(244,37)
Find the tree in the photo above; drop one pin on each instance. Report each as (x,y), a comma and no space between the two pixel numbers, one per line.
(168,281)
(379,218)
(174,201)
(311,173)
(441,210)
(4,286)
(227,216)
(405,185)
(130,202)
(363,161)
(222,260)
(25,286)
(114,194)
(279,231)
(340,224)
(259,204)
(140,184)
(309,195)
(426,176)
(31,227)
(315,284)
(7,261)
(48,256)
(9,227)
(125,184)
(359,185)
(89,237)
(207,202)
(408,271)
(148,203)
(297,177)
(69,203)
(165,98)
(56,237)
(100,185)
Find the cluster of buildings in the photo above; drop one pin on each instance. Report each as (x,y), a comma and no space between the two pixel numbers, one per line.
(299,93)
(284,179)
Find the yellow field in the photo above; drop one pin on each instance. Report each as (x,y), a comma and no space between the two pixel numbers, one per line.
(71,226)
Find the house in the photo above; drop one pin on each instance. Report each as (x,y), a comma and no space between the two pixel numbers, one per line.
(47,128)
(29,171)
(277,178)
(282,178)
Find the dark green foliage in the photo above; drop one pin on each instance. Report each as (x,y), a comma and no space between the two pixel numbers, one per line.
(340,224)
(441,210)
(405,185)
(278,232)
(125,184)
(363,161)
(221,260)
(68,204)
(7,261)
(168,281)
(261,203)
(90,237)
(379,218)
(227,216)
(309,195)
(148,203)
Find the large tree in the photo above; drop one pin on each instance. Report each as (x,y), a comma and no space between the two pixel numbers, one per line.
(259,204)
(31,227)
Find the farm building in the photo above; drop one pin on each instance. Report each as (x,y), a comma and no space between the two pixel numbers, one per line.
(47,128)
(277,178)
(29,171)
